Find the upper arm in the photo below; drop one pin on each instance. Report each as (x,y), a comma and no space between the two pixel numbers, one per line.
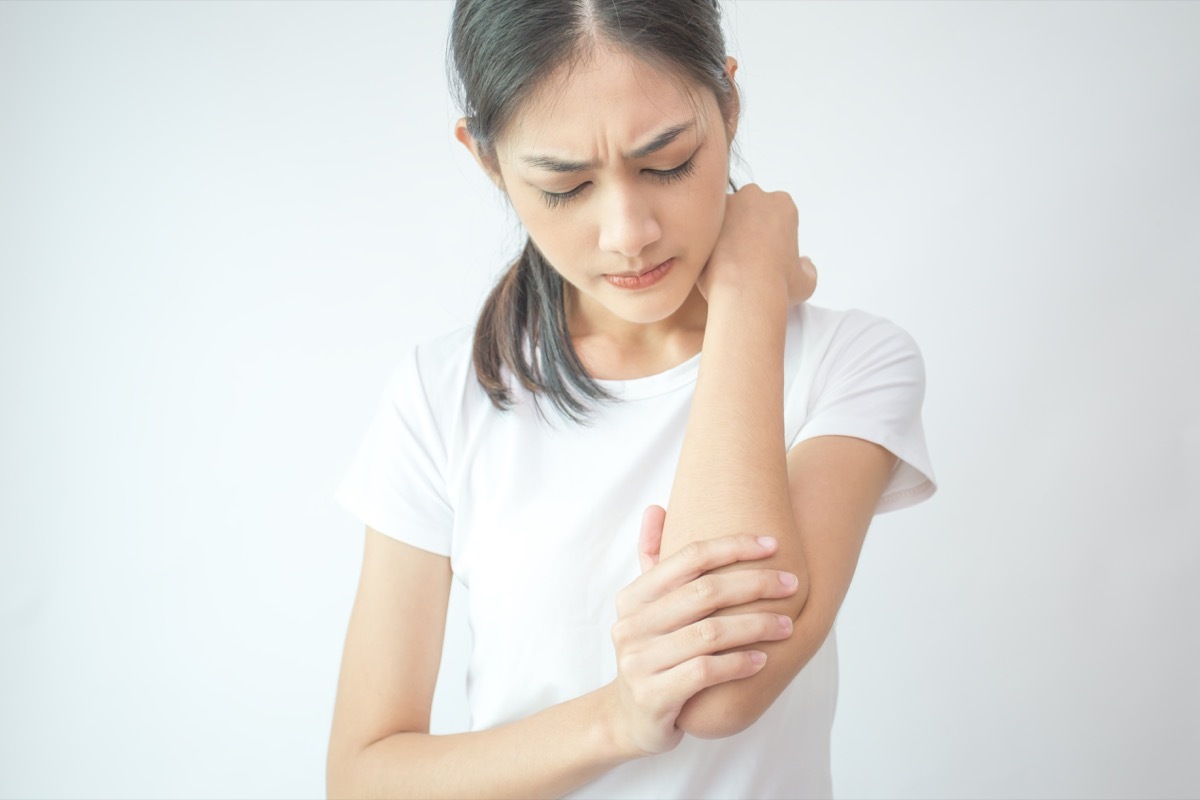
(393,647)
(835,483)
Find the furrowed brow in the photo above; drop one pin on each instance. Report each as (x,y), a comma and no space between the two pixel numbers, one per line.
(552,164)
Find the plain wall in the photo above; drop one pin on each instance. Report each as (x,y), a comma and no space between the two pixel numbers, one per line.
(220,225)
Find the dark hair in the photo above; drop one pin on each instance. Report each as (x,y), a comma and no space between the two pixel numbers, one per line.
(499,50)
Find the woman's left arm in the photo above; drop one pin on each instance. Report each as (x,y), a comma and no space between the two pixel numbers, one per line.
(734,475)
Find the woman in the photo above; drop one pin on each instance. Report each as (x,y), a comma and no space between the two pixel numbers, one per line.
(690,654)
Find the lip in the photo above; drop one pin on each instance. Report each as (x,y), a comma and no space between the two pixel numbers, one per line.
(642,280)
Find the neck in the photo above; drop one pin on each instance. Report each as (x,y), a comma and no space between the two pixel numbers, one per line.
(615,348)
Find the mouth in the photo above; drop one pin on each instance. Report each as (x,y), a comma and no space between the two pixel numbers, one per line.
(640,280)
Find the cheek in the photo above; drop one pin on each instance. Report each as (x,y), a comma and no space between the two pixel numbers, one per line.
(705,216)
(539,224)
(710,202)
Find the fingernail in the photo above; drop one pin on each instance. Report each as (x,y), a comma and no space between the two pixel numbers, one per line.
(788,579)
(757,657)
(767,541)
(785,622)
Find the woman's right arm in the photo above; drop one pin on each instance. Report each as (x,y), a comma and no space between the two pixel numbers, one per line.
(380,745)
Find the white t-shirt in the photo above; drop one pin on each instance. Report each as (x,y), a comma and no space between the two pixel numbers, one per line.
(541,520)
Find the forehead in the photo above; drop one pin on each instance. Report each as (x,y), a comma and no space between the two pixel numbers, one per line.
(607,99)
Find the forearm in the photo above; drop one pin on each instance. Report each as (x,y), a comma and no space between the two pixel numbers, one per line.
(732,477)
(545,755)
(732,472)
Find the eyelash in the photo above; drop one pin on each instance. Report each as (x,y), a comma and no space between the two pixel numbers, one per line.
(557,199)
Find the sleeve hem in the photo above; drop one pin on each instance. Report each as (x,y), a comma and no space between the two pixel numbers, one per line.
(912,481)
(387,525)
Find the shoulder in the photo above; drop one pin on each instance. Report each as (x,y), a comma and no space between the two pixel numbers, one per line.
(845,326)
(861,375)
(839,336)
(434,377)
(434,363)
(442,360)
(840,356)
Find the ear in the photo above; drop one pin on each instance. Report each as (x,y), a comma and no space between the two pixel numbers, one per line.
(731,66)
(488,165)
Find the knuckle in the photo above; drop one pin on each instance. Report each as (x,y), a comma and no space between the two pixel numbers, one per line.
(705,588)
(692,554)
(701,670)
(707,631)
(747,541)
(620,632)
(768,583)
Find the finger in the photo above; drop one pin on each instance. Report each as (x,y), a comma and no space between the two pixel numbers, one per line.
(712,636)
(692,560)
(681,682)
(697,599)
(650,539)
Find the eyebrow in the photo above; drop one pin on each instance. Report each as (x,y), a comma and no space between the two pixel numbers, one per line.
(553,164)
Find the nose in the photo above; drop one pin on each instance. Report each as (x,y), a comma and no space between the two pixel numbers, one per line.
(629,222)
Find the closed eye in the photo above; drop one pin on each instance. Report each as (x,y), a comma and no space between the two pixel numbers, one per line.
(558,199)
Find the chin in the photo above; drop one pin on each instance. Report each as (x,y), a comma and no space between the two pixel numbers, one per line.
(648,310)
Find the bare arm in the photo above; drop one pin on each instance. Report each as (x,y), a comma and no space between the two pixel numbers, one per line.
(380,745)
(734,475)
(544,755)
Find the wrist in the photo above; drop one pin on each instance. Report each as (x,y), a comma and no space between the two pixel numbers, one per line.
(764,299)
(614,741)
(743,285)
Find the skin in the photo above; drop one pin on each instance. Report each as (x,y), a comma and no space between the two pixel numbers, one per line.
(743,578)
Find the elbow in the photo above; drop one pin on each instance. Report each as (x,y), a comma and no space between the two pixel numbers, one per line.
(337,779)
(799,600)
(726,709)
(342,773)
(722,710)
(336,786)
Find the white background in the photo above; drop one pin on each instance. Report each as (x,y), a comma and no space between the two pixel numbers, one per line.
(220,225)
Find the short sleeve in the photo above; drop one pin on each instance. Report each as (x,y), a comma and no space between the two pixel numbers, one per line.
(871,385)
(396,481)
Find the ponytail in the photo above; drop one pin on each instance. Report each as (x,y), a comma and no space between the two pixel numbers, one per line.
(523,327)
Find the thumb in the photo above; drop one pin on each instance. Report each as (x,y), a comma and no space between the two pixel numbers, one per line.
(650,538)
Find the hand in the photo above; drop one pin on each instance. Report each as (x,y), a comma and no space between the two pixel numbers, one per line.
(757,245)
(668,648)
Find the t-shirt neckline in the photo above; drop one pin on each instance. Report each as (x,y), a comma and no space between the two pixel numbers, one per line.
(681,374)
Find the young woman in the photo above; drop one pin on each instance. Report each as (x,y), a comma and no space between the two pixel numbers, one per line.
(650,349)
